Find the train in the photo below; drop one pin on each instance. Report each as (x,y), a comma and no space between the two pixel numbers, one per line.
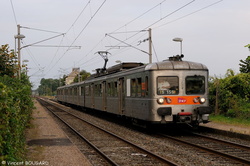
(173,91)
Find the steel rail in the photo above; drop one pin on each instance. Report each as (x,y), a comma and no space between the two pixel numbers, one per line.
(82,137)
(231,157)
(128,142)
(223,141)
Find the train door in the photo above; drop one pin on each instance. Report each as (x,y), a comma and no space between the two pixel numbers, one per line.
(121,96)
(93,95)
(104,96)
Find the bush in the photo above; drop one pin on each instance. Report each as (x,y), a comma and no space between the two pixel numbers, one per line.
(233,95)
(15,112)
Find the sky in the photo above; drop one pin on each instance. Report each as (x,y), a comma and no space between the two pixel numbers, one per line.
(65,34)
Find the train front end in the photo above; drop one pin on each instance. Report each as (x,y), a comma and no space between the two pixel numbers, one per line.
(180,92)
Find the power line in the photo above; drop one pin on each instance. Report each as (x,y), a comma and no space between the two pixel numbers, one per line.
(127,44)
(123,41)
(42,41)
(190,13)
(41,30)
(69,30)
(139,16)
(78,16)
(170,14)
(91,18)
(173,20)
(13,11)
(115,31)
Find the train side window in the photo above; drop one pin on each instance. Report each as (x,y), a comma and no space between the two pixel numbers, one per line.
(87,90)
(96,90)
(144,87)
(139,87)
(100,90)
(115,89)
(168,85)
(82,91)
(133,87)
(76,91)
(109,89)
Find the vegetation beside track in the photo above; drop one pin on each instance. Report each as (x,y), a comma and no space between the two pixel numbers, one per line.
(15,107)
(230,96)
(229,120)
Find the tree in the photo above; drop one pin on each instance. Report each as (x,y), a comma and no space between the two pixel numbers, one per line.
(8,61)
(245,65)
(83,76)
(48,86)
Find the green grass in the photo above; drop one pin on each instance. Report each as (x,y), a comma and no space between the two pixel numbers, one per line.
(229,120)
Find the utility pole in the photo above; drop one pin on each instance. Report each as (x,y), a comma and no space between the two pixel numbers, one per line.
(150,45)
(19,37)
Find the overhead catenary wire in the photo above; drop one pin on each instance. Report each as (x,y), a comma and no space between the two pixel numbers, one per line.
(178,9)
(136,32)
(13,10)
(42,30)
(78,16)
(84,8)
(161,19)
(115,31)
(92,50)
(86,25)
(139,16)
(189,3)
(42,41)
(196,11)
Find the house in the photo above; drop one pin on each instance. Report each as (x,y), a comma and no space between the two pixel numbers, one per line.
(72,75)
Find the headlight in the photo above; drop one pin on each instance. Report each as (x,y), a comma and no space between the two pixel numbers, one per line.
(169,100)
(202,100)
(196,100)
(160,100)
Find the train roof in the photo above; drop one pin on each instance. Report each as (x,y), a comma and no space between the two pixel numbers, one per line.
(175,65)
(170,64)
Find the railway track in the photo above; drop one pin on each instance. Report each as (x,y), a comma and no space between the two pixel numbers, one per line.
(113,148)
(228,153)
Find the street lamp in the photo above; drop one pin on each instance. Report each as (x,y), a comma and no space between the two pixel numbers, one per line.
(177,39)
(118,61)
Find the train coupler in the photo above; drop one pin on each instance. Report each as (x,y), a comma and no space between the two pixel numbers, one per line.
(184,117)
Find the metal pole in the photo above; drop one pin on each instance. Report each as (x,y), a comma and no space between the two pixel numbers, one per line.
(19,51)
(150,45)
(181,48)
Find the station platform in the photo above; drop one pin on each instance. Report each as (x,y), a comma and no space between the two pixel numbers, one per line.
(47,144)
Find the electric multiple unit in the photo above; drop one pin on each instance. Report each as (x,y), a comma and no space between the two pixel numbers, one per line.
(172,91)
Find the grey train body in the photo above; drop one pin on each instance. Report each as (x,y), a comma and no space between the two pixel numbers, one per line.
(172,91)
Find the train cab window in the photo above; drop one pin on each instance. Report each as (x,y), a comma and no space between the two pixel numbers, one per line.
(168,85)
(195,85)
